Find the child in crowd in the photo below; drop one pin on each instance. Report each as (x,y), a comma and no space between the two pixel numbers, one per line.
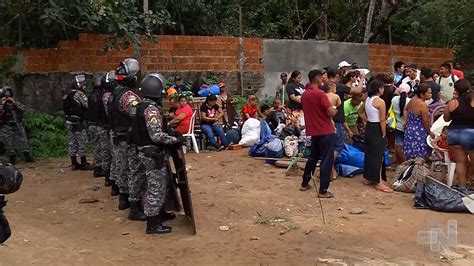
(442,143)
(265,110)
(334,99)
(250,109)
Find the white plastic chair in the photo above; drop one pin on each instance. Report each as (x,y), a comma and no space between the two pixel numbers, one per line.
(446,161)
(191,133)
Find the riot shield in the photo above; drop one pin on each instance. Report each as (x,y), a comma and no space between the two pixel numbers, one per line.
(180,181)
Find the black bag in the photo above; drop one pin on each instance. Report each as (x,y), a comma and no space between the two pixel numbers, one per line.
(5,231)
(431,195)
(10,179)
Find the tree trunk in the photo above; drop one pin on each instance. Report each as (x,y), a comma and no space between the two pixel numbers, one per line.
(368,24)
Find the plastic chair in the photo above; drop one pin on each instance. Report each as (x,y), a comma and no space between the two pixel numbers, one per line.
(446,161)
(191,133)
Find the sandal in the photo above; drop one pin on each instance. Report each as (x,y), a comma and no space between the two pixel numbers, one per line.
(385,189)
(326,195)
(308,187)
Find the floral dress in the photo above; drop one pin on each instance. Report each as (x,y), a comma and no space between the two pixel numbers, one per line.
(415,144)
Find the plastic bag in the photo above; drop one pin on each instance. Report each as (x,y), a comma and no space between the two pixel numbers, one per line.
(274,150)
(250,132)
(431,195)
(290,145)
(353,156)
(259,148)
(265,131)
(348,170)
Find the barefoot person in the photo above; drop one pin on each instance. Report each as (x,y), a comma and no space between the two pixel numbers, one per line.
(374,112)
(320,127)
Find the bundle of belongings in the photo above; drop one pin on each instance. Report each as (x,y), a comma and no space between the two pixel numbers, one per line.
(350,161)
(436,196)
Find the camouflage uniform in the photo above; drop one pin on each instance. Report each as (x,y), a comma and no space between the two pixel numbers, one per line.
(94,137)
(132,174)
(115,169)
(104,147)
(157,173)
(7,134)
(21,141)
(76,131)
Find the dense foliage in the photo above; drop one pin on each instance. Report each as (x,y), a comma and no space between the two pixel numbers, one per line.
(47,134)
(439,23)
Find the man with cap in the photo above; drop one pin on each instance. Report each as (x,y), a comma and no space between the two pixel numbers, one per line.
(280,89)
(343,67)
(75,107)
(153,144)
(123,105)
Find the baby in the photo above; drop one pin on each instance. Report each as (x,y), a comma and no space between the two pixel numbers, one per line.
(334,99)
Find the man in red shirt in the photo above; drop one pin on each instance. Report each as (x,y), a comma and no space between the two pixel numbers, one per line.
(454,71)
(183,115)
(319,125)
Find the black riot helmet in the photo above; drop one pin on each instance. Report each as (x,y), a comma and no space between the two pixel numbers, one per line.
(108,81)
(98,81)
(152,86)
(79,82)
(6,91)
(127,72)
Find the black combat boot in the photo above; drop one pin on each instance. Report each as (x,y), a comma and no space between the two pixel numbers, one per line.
(167,216)
(27,156)
(13,159)
(114,191)
(98,172)
(74,164)
(154,226)
(123,202)
(107,182)
(136,214)
(84,164)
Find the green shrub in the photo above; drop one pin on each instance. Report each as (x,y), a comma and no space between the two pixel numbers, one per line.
(47,134)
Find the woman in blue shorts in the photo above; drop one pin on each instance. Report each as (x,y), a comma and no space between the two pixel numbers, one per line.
(460,111)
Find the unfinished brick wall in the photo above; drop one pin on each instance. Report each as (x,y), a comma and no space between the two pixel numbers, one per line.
(170,53)
(380,56)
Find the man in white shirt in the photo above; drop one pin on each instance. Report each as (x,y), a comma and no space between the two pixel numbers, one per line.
(446,82)
(413,77)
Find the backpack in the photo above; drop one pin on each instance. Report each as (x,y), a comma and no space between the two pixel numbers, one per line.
(409,173)
(452,78)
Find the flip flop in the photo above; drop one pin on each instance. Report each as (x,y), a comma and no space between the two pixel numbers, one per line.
(308,187)
(385,190)
(326,195)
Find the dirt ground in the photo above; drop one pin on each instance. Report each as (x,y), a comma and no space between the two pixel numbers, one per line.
(270,221)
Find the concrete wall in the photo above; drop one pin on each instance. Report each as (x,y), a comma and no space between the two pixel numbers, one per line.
(304,55)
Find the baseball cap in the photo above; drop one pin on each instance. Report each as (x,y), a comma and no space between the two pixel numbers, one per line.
(404,88)
(344,64)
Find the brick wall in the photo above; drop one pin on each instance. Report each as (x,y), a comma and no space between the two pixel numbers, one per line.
(380,56)
(170,53)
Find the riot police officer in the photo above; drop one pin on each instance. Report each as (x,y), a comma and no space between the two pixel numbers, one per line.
(11,127)
(10,182)
(153,152)
(122,106)
(74,107)
(103,130)
(91,116)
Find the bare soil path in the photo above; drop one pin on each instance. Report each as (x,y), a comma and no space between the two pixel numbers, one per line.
(270,221)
